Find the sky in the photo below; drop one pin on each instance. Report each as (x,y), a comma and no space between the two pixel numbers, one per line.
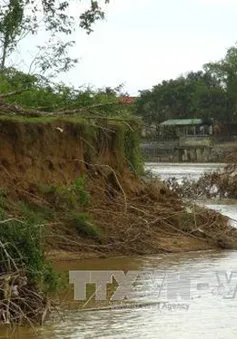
(143,42)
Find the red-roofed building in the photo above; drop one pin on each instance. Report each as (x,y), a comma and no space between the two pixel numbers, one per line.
(128,100)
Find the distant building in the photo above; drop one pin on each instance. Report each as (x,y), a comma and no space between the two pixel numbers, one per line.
(185,140)
(176,128)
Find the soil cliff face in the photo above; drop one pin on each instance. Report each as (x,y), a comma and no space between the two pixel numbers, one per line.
(112,212)
(40,152)
(55,152)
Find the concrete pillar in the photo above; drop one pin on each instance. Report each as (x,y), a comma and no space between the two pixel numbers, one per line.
(185,155)
(199,154)
(206,154)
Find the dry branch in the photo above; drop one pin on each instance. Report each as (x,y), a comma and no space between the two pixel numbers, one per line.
(11,94)
(9,108)
(19,304)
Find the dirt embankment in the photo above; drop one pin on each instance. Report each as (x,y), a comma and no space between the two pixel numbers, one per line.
(112,212)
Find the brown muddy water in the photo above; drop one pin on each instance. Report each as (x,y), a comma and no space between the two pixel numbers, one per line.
(187,295)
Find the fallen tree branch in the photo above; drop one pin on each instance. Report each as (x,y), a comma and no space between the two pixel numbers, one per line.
(10,94)
(31,112)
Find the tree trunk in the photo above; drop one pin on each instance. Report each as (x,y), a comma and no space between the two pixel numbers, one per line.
(4,53)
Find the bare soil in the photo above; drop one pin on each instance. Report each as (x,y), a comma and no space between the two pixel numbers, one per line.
(135,217)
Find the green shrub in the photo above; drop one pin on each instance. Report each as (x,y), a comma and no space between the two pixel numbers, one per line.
(79,187)
(2,203)
(21,247)
(86,228)
(133,153)
(68,197)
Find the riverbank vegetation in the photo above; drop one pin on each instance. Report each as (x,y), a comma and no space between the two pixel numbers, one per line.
(220,184)
(26,276)
(71,188)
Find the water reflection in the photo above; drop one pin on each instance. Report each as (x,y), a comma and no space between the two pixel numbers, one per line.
(209,314)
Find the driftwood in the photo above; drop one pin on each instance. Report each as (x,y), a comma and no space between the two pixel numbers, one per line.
(19,301)
(218,184)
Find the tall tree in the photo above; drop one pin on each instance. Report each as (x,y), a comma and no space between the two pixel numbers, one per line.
(11,20)
(196,95)
(21,17)
(225,71)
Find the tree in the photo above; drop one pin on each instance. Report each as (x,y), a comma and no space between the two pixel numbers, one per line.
(225,71)
(147,106)
(11,19)
(21,17)
(209,93)
(196,95)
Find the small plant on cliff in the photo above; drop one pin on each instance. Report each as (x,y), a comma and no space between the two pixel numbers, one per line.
(132,151)
(79,187)
(85,227)
(68,197)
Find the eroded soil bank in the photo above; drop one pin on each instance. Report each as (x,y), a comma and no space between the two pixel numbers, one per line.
(80,180)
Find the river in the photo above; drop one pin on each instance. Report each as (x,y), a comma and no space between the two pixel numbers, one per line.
(185,295)
(193,171)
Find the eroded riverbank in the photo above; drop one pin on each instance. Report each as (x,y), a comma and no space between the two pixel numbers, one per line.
(170,242)
(207,312)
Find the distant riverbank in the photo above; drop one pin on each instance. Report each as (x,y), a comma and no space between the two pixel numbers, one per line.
(170,151)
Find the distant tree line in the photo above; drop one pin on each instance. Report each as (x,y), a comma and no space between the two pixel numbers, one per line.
(208,93)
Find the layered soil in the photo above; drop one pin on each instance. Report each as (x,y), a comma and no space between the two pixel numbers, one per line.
(133,216)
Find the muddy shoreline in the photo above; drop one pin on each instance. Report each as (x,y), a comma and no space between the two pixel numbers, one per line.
(91,199)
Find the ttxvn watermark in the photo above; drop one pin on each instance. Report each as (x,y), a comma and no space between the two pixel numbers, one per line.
(162,286)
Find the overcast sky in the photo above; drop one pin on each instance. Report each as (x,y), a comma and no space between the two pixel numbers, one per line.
(143,42)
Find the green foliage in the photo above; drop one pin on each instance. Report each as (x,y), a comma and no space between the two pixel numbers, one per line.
(118,140)
(48,97)
(22,238)
(125,142)
(86,228)
(29,214)
(196,95)
(68,197)
(186,221)
(38,92)
(132,151)
(22,241)
(91,15)
(11,21)
(51,280)
(19,18)
(2,204)
(79,188)
(225,71)
(209,93)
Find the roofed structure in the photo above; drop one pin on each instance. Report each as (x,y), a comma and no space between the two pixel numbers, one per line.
(182,122)
(175,128)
